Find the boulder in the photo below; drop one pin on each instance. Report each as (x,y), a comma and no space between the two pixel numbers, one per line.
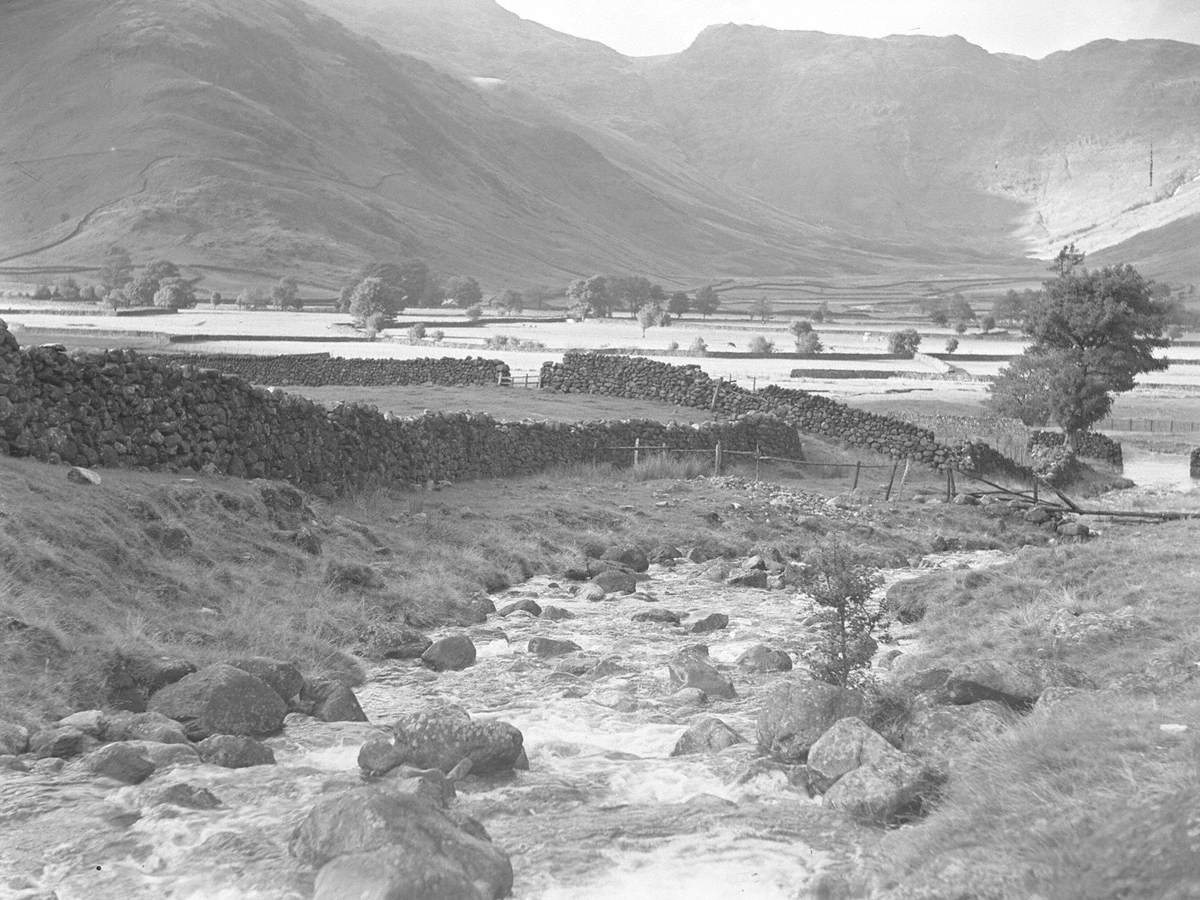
(345,575)
(690,669)
(555,613)
(147,726)
(165,755)
(665,553)
(283,678)
(796,712)
(181,794)
(711,622)
(451,653)
(707,734)
(371,842)
(129,681)
(221,699)
(80,475)
(1017,684)
(121,762)
(761,658)
(616,581)
(906,601)
(1074,529)
(747,577)
(405,643)
(892,789)
(591,593)
(523,605)
(938,733)
(14,739)
(431,785)
(234,751)
(848,744)
(545,647)
(630,557)
(658,614)
(330,701)
(59,743)
(441,738)
(91,722)
(579,663)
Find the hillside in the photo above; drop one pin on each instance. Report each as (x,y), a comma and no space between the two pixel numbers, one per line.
(258,137)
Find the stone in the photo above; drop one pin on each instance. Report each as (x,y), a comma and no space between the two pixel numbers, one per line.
(181,794)
(591,593)
(1074,529)
(234,751)
(631,557)
(14,739)
(165,755)
(893,789)
(59,743)
(545,648)
(441,738)
(146,726)
(658,614)
(577,663)
(221,699)
(1038,515)
(711,622)
(761,658)
(692,670)
(751,578)
(707,734)
(432,785)
(80,475)
(330,701)
(555,613)
(906,600)
(665,553)
(451,653)
(616,581)
(405,643)
(848,744)
(689,696)
(796,712)
(282,677)
(523,605)
(372,842)
(121,762)
(129,681)
(698,555)
(91,722)
(1017,684)
(939,733)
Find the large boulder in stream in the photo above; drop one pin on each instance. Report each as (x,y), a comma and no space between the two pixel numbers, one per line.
(798,711)
(893,788)
(372,842)
(442,738)
(848,745)
(221,699)
(451,653)
(282,677)
(691,669)
(707,734)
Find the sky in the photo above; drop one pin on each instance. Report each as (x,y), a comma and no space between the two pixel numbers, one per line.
(1032,28)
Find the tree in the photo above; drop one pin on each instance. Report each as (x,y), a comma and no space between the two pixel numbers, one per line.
(761,309)
(761,346)
(463,290)
(142,289)
(88,294)
(904,343)
(174,293)
(800,327)
(510,302)
(251,298)
(706,302)
(631,292)
(650,315)
(215,299)
(42,292)
(1047,385)
(589,297)
(839,580)
(408,282)
(116,270)
(67,289)
(1068,258)
(698,347)
(374,303)
(416,332)
(938,310)
(286,294)
(809,344)
(679,303)
(960,327)
(474,313)
(821,313)
(951,345)
(960,309)
(986,324)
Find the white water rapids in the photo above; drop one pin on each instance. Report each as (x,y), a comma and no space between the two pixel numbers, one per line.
(604,811)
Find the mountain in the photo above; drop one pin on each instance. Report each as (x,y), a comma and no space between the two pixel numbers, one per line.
(261,137)
(912,140)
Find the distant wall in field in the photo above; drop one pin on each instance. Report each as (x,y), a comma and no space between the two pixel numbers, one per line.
(1092,445)
(118,408)
(315,369)
(648,379)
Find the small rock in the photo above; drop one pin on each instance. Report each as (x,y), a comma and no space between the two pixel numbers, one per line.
(80,475)
(657,614)
(14,739)
(1074,529)
(690,669)
(631,557)
(59,743)
(894,788)
(711,622)
(751,578)
(451,653)
(665,552)
(166,755)
(121,762)
(615,581)
(331,701)
(441,738)
(706,735)
(592,593)
(848,744)
(762,658)
(181,794)
(545,648)
(689,696)
(283,678)
(523,605)
(91,722)
(404,643)
(234,752)
(1015,683)
(147,726)
(556,613)
(796,712)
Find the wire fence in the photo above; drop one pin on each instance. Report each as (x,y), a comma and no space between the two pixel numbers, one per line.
(1143,424)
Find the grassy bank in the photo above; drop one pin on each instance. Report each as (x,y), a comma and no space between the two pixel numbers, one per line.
(1088,797)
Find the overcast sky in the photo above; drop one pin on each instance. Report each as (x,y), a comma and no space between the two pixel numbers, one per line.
(1031,28)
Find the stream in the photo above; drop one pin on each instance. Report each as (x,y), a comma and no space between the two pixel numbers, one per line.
(603,811)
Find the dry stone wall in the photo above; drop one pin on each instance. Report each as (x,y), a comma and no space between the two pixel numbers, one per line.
(1092,445)
(315,369)
(647,379)
(119,408)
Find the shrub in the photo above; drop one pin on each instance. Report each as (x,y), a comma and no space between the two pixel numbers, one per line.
(761,345)
(951,345)
(174,293)
(416,333)
(808,344)
(215,299)
(42,292)
(840,580)
(698,347)
(438,335)
(904,343)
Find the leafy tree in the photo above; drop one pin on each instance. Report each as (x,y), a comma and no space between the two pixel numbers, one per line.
(373,303)
(707,301)
(510,302)
(145,285)
(951,345)
(809,344)
(960,327)
(631,292)
(174,293)
(116,270)
(761,309)
(1011,307)
(698,347)
(438,335)
(416,332)
(589,297)
(762,346)
(839,580)
(1048,385)
(938,310)
(463,290)
(286,294)
(251,298)
(800,327)
(1069,257)
(904,343)
(651,315)
(960,309)
(42,292)
(88,294)
(215,299)
(474,312)
(987,324)
(67,289)
(679,303)
(821,313)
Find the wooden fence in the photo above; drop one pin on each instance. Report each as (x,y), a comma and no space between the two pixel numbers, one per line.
(1143,424)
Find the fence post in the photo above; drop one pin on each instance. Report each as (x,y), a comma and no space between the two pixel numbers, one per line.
(595,453)
(717,459)
(716,393)
(757,457)
(857,470)
(887,494)
(949,485)
(1033,478)
(637,450)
